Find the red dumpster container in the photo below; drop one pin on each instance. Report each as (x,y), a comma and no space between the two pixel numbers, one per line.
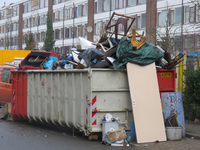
(19,94)
(166,80)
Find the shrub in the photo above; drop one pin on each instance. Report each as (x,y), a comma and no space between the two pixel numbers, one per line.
(191,94)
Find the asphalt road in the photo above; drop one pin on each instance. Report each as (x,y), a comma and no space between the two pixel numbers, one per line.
(32,136)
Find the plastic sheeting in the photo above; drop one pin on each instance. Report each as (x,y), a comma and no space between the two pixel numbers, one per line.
(85,44)
(90,54)
(49,63)
(145,55)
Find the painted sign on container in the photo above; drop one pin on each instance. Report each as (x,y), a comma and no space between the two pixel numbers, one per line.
(173,101)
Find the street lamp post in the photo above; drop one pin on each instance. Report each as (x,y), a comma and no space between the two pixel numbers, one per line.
(63,26)
(37,29)
(73,22)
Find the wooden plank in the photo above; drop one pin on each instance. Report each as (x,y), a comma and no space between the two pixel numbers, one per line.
(146,103)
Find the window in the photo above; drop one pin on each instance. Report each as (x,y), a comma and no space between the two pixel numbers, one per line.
(134,23)
(197,14)
(112,23)
(41,3)
(71,12)
(15,10)
(138,23)
(113,4)
(107,5)
(25,8)
(62,33)
(56,34)
(186,14)
(66,32)
(178,42)
(14,26)
(79,30)
(41,20)
(164,17)
(100,7)
(99,28)
(46,3)
(2,15)
(67,14)
(191,14)
(37,20)
(71,32)
(55,1)
(29,22)
(62,14)
(33,22)
(132,2)
(142,1)
(120,27)
(29,5)
(56,16)
(61,50)
(76,12)
(186,42)
(143,22)
(172,17)
(86,9)
(159,19)
(79,11)
(85,30)
(5,75)
(116,4)
(120,3)
(25,23)
(191,42)
(198,41)
(124,3)
(178,15)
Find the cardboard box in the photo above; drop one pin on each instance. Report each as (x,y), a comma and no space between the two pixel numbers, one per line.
(116,135)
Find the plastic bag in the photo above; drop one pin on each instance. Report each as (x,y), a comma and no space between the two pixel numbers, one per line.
(49,63)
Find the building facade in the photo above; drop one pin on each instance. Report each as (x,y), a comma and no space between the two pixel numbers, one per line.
(179,19)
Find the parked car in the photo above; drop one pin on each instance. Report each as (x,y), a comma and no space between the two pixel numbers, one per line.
(5,84)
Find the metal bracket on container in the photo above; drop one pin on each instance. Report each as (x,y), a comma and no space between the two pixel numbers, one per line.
(89,73)
(81,129)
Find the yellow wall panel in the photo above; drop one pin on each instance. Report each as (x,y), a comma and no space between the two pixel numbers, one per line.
(8,55)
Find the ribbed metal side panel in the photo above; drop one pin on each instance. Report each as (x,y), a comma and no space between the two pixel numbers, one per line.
(58,97)
(112,96)
(79,98)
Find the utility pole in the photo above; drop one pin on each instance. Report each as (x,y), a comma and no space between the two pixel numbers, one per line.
(73,23)
(63,25)
(37,28)
(182,27)
(90,34)
(151,17)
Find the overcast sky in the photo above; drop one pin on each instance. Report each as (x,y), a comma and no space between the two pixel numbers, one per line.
(7,2)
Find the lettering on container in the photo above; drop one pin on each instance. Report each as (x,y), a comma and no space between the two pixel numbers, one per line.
(166,74)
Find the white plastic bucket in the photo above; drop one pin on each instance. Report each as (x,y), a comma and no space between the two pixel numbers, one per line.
(173,133)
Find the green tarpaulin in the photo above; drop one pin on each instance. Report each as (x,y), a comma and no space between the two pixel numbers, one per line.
(145,55)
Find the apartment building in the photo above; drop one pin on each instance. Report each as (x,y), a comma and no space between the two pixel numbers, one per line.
(70,20)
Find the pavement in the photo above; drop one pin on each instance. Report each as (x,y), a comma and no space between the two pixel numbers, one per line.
(191,142)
